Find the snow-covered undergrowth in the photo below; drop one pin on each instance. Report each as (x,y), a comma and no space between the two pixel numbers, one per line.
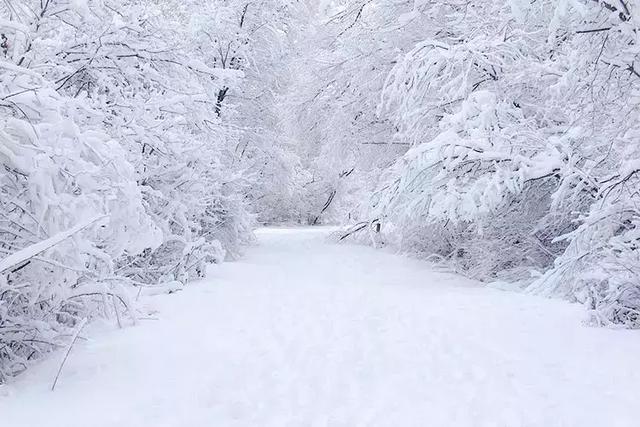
(120,166)
(520,127)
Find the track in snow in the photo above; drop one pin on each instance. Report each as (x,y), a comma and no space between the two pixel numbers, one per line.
(306,333)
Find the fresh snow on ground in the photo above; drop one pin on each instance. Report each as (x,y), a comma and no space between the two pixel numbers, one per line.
(302,332)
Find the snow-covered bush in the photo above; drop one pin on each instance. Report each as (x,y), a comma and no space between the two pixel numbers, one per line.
(505,137)
(64,181)
(120,164)
(525,145)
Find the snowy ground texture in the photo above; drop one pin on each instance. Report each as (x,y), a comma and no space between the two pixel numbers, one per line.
(307,333)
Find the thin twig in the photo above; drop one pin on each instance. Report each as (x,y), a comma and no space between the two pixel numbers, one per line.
(66,354)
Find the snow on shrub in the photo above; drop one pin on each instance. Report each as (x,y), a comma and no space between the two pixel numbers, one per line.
(501,118)
(119,159)
(60,179)
(519,122)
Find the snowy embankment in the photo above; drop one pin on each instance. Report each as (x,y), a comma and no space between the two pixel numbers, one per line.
(305,333)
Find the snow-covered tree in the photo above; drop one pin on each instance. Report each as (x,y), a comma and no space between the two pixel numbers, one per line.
(70,207)
(121,158)
(511,129)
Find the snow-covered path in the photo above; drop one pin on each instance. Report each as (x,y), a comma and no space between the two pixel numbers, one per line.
(306,333)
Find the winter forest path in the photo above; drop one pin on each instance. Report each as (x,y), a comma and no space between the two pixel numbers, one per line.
(306,333)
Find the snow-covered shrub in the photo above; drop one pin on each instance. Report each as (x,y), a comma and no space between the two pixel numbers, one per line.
(506,134)
(534,170)
(60,180)
(149,75)
(119,161)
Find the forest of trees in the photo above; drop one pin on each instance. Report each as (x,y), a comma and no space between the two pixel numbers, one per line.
(142,140)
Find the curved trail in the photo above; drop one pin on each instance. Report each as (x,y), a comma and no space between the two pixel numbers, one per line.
(306,333)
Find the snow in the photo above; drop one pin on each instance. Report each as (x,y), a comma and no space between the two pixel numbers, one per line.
(302,332)
(37,248)
(13,25)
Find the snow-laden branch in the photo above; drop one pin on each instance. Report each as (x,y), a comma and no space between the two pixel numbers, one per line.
(29,252)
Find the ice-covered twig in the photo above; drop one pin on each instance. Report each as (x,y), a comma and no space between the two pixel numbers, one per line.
(37,248)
